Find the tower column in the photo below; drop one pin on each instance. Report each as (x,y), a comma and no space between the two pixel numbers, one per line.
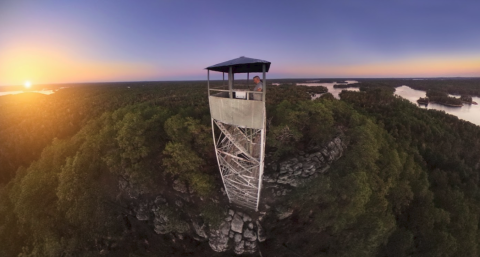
(264,82)
(230,82)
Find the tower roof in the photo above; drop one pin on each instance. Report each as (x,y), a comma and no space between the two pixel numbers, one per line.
(241,65)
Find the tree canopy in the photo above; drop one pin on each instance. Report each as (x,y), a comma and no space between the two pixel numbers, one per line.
(75,163)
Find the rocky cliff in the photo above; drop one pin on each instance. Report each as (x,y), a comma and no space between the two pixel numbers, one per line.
(240,231)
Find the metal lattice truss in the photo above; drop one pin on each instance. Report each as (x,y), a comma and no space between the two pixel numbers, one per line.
(240,159)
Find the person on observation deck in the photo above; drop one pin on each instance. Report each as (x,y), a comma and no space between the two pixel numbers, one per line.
(258,84)
(258,88)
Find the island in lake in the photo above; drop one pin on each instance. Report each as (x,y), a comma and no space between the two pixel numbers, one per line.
(440,97)
(423,101)
(467,99)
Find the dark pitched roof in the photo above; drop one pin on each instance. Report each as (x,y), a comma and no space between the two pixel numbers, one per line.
(241,65)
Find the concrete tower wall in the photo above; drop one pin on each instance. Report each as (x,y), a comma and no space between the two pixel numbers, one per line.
(241,113)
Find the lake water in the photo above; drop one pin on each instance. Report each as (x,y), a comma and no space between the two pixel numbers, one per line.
(467,112)
(45,92)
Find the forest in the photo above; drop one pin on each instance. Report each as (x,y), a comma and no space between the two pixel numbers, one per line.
(74,164)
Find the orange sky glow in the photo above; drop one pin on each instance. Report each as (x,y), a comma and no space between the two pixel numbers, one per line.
(47,65)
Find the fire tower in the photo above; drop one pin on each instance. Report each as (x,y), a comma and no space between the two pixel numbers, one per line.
(238,128)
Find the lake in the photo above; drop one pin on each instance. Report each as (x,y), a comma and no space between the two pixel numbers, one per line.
(45,92)
(467,112)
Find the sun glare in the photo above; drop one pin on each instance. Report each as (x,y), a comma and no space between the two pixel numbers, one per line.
(27,84)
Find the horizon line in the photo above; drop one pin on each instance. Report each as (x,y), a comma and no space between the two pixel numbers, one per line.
(323,78)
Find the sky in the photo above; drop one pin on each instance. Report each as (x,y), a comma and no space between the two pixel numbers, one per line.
(58,41)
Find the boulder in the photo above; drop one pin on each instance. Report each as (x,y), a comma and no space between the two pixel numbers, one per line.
(250,246)
(199,230)
(249,235)
(218,239)
(237,237)
(225,228)
(239,247)
(237,223)
(260,232)
(246,218)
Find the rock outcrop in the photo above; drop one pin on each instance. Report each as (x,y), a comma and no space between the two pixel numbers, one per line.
(238,231)
(301,168)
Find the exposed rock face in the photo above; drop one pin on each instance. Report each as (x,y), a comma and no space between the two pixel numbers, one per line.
(142,212)
(199,230)
(161,222)
(242,229)
(299,169)
(128,189)
(166,221)
(179,186)
(283,212)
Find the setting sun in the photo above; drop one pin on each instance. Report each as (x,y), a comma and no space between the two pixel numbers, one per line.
(27,84)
